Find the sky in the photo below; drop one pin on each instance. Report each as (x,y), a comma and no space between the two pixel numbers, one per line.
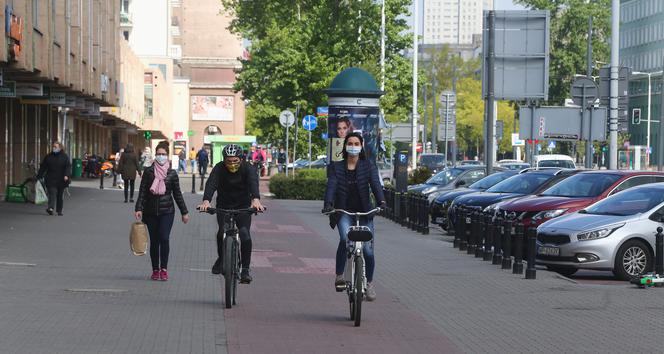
(498,4)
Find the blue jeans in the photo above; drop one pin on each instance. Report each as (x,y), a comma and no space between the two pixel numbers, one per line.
(343,225)
(193,166)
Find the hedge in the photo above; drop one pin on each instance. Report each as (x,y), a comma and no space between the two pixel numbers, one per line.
(307,185)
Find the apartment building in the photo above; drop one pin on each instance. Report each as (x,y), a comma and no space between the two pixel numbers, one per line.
(457,22)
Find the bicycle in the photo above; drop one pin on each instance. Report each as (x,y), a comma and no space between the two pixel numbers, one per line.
(355,273)
(231,251)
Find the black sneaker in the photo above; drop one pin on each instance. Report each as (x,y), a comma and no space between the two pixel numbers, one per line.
(339,283)
(49,211)
(216,268)
(245,277)
(60,213)
(131,200)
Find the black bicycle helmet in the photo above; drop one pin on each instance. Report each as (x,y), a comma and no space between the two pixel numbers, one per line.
(232,150)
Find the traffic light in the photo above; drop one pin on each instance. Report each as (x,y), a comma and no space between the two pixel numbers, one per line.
(604,148)
(147,135)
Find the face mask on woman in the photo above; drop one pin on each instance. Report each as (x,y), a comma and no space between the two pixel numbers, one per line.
(353,150)
(161,159)
(56,150)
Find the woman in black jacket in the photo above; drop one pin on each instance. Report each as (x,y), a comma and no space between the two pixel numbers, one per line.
(57,169)
(348,185)
(159,186)
(129,167)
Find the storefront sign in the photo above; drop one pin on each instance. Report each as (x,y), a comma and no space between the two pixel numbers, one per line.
(57,98)
(8,89)
(29,89)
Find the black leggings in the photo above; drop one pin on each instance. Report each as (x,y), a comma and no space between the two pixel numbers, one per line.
(243,223)
(159,227)
(129,185)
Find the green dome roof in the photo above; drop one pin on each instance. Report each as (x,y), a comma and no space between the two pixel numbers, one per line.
(354,82)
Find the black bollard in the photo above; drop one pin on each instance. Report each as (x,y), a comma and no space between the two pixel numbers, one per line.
(463,237)
(659,252)
(193,183)
(507,244)
(488,238)
(481,226)
(497,242)
(101,179)
(115,178)
(457,229)
(518,249)
(201,186)
(473,234)
(531,273)
(426,216)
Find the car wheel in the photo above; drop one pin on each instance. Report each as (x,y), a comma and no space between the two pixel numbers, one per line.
(564,271)
(633,259)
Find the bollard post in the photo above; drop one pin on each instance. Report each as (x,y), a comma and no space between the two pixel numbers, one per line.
(101,180)
(488,238)
(659,252)
(115,178)
(426,215)
(497,238)
(457,229)
(518,249)
(193,183)
(481,226)
(531,273)
(507,244)
(474,233)
(201,186)
(463,237)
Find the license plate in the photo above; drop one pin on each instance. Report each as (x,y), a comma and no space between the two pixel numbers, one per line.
(468,221)
(440,220)
(548,251)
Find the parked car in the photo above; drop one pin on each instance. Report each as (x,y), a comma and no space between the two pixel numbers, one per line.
(449,179)
(320,163)
(299,163)
(470,163)
(616,234)
(515,166)
(559,161)
(441,203)
(434,162)
(574,193)
(527,182)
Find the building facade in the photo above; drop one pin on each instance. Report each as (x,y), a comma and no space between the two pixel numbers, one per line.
(453,21)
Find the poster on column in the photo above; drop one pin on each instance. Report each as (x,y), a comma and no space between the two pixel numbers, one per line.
(343,120)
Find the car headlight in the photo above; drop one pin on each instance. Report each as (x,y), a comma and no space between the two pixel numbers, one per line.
(428,190)
(548,214)
(597,234)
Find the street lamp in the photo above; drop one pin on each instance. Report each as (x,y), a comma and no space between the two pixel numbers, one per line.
(649,106)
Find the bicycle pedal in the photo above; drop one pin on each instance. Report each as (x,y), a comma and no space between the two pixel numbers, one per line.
(340,288)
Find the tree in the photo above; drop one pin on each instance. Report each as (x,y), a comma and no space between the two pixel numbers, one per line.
(298,47)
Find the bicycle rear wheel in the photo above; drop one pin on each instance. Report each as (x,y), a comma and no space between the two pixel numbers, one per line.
(359,289)
(230,273)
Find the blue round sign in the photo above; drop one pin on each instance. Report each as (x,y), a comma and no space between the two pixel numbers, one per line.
(309,122)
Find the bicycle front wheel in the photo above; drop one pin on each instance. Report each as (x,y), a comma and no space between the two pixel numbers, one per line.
(359,289)
(230,272)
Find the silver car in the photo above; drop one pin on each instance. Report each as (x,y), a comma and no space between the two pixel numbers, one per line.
(617,234)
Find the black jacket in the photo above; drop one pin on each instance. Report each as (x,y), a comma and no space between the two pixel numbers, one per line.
(55,167)
(336,193)
(234,190)
(151,204)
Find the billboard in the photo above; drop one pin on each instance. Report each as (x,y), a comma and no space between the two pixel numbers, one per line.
(345,119)
(215,108)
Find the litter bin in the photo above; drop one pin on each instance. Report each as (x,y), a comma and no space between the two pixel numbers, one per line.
(77,168)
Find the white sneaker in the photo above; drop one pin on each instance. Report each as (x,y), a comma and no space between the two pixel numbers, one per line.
(371,292)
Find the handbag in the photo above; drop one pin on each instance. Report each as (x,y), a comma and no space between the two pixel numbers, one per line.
(138,239)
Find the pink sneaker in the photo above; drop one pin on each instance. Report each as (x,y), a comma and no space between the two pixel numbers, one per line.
(155,275)
(163,275)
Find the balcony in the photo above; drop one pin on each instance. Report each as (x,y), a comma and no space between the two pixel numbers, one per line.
(175,52)
(126,20)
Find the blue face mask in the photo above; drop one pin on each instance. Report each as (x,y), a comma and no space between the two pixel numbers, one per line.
(353,150)
(161,159)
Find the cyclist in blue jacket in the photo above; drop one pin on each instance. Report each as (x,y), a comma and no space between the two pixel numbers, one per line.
(348,185)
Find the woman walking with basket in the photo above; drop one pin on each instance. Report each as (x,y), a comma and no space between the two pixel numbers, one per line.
(158,192)
(129,167)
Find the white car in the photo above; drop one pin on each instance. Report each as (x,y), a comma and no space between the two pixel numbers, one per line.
(559,161)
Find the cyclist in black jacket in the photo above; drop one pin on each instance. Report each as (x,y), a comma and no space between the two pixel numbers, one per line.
(236,185)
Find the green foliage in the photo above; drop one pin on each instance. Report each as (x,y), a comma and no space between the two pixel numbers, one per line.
(420,175)
(312,173)
(568,43)
(305,186)
(298,47)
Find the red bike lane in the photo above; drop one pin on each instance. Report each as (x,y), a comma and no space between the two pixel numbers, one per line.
(291,307)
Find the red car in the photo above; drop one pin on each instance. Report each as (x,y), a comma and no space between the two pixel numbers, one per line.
(572,194)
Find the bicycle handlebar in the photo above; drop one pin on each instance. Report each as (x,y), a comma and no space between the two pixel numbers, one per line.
(213,211)
(370,212)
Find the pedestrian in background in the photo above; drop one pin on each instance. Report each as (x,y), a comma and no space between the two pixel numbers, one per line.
(182,161)
(159,191)
(56,169)
(146,158)
(281,160)
(192,160)
(118,176)
(129,167)
(203,161)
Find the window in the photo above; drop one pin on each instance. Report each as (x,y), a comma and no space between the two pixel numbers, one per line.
(148,100)
(126,35)
(472,177)
(35,14)
(633,182)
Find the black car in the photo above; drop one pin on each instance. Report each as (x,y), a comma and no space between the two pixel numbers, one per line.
(439,206)
(449,179)
(433,162)
(527,182)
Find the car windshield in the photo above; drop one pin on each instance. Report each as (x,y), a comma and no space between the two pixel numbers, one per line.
(489,181)
(432,160)
(522,184)
(444,177)
(556,163)
(629,202)
(516,166)
(582,185)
